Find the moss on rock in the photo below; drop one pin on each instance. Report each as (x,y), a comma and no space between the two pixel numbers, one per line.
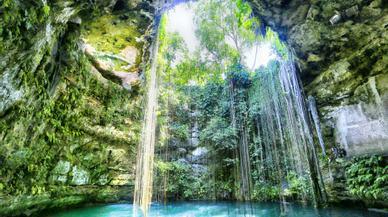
(52,151)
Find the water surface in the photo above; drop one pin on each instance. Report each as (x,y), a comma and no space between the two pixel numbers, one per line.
(216,209)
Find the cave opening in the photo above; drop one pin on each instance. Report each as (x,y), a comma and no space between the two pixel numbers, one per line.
(226,104)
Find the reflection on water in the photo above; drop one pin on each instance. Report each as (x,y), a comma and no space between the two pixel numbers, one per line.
(216,209)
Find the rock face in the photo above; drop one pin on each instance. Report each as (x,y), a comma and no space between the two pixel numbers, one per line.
(128,80)
(342,51)
(80,176)
(362,129)
(8,94)
(67,131)
(60,172)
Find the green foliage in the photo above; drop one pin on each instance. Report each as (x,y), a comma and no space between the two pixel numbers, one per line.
(226,97)
(222,21)
(108,33)
(20,20)
(194,68)
(183,183)
(297,186)
(265,192)
(260,78)
(219,135)
(367,178)
(239,76)
(279,46)
(180,131)
(171,47)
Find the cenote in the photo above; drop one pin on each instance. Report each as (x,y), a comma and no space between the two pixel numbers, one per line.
(194,108)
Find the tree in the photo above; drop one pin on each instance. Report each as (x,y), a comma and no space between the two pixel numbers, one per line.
(225,30)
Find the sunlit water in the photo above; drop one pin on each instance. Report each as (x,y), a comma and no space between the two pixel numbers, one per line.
(215,209)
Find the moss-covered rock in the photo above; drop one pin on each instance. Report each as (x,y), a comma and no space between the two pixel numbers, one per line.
(341,48)
(60,118)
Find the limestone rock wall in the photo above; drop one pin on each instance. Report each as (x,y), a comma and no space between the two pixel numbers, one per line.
(68,134)
(342,51)
(362,129)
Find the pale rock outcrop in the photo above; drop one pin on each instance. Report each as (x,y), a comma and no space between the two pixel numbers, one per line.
(125,79)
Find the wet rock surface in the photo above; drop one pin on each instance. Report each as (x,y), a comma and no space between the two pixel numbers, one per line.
(342,53)
(357,37)
(67,133)
(341,47)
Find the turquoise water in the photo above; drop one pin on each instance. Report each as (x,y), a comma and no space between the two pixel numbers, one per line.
(215,209)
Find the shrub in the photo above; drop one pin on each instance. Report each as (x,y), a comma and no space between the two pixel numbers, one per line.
(367,178)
